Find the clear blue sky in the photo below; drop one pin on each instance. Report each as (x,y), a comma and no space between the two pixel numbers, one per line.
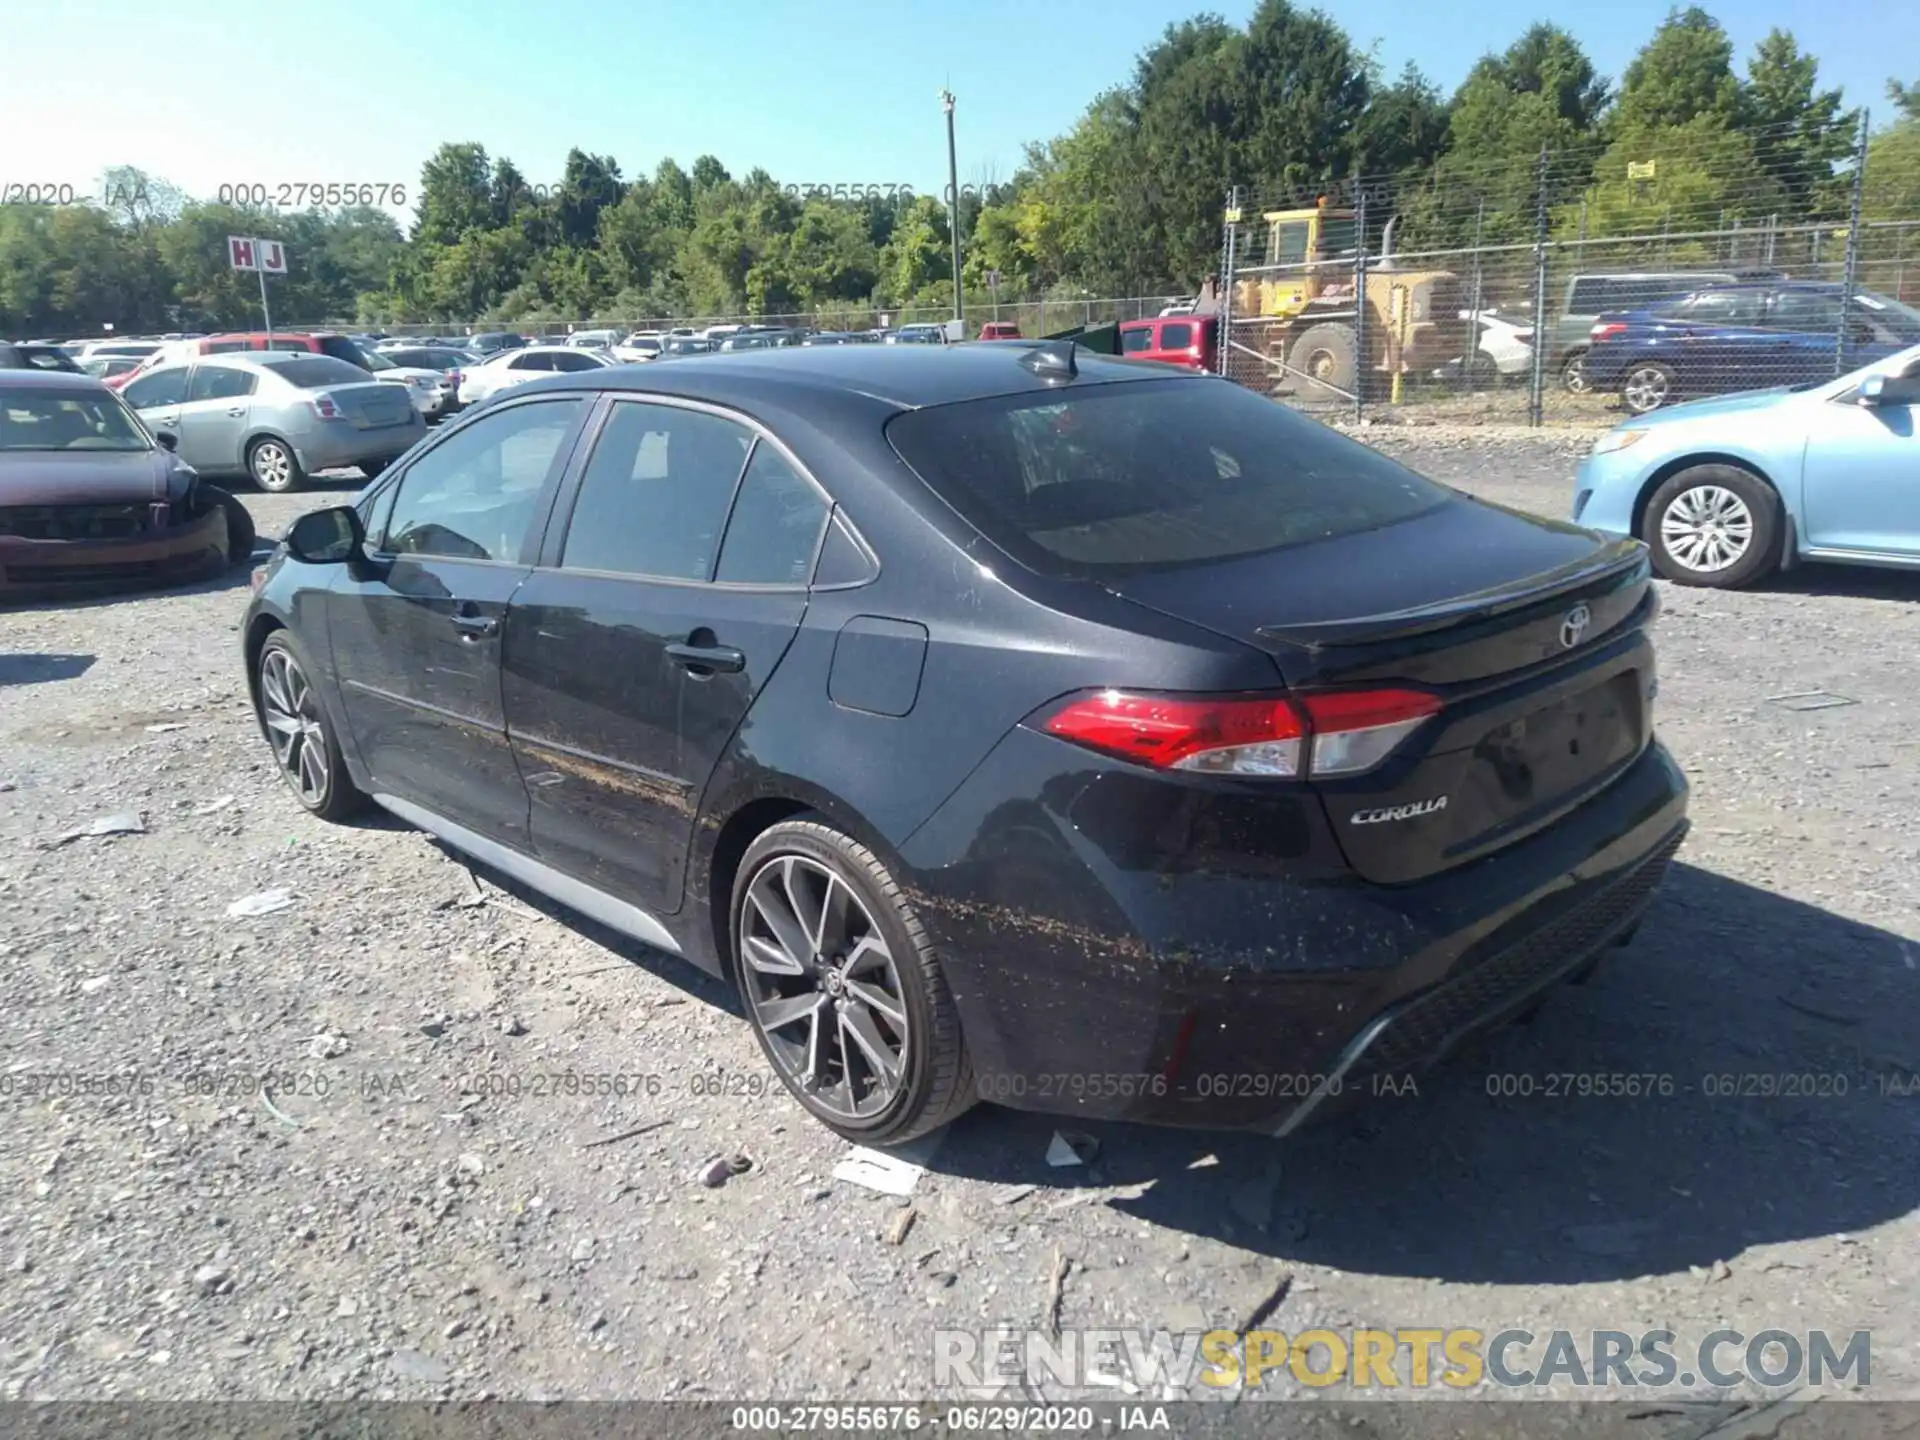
(816,91)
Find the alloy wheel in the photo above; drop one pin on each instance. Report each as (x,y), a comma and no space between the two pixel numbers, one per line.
(1646,389)
(824,988)
(295,726)
(272,465)
(1707,528)
(1573,375)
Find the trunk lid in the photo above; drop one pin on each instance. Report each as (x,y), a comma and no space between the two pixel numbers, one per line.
(1532,632)
(374,405)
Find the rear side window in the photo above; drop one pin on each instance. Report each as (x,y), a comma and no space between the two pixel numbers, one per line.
(158,387)
(300,346)
(775,527)
(225,347)
(654,497)
(1132,342)
(219,382)
(575,362)
(538,360)
(1176,335)
(342,348)
(1151,475)
(312,371)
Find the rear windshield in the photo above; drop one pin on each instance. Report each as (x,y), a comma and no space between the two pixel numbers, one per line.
(313,371)
(1151,475)
(342,348)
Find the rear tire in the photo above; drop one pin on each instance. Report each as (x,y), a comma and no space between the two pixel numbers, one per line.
(273,465)
(1715,526)
(1573,373)
(871,985)
(1648,386)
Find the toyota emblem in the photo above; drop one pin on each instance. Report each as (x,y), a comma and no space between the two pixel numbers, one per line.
(1575,625)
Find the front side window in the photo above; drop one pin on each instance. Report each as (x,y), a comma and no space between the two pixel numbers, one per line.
(654,498)
(219,382)
(1176,336)
(474,495)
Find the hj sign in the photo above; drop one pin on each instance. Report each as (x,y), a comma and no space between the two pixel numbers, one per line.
(269,257)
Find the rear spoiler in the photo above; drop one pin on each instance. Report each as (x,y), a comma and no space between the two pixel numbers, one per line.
(1100,339)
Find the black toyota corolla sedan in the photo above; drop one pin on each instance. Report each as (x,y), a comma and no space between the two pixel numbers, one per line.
(1006,722)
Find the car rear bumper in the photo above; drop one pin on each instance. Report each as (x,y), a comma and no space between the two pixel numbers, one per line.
(331,451)
(57,567)
(1095,978)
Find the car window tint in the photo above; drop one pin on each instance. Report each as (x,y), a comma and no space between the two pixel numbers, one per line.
(540,361)
(1151,475)
(225,347)
(310,372)
(1176,337)
(655,494)
(1723,307)
(157,387)
(575,362)
(1805,310)
(775,527)
(342,348)
(219,382)
(473,495)
(1132,342)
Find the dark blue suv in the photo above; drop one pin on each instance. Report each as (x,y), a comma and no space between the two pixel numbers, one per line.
(1742,337)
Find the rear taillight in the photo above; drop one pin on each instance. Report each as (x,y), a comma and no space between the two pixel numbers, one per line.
(1606,331)
(326,409)
(1329,734)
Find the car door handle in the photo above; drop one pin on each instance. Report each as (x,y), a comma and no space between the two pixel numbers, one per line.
(474,627)
(713,658)
(239,412)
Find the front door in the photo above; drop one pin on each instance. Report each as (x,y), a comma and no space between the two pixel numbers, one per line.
(417,632)
(212,424)
(159,396)
(1862,479)
(633,655)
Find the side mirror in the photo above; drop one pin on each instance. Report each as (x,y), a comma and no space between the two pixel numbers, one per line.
(1885,390)
(167,439)
(327,537)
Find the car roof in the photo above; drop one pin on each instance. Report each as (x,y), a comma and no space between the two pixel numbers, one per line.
(38,379)
(903,379)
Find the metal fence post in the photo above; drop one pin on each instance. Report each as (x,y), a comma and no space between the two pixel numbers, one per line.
(1222,340)
(1361,369)
(1537,382)
(1850,277)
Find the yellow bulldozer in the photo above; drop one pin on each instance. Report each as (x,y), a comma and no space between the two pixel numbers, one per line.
(1296,308)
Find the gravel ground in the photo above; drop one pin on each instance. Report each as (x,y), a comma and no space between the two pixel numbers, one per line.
(399,1214)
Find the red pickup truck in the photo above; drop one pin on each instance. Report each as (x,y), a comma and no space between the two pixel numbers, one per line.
(1189,340)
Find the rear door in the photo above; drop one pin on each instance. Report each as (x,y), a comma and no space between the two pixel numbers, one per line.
(1724,343)
(416,634)
(212,424)
(635,650)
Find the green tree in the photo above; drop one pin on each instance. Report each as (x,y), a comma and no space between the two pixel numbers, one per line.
(1800,132)
(455,194)
(1684,73)
(588,185)
(1906,99)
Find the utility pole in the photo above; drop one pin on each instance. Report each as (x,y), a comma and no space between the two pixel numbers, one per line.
(953,206)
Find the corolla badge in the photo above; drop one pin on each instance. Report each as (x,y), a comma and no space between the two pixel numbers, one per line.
(1399,812)
(1575,626)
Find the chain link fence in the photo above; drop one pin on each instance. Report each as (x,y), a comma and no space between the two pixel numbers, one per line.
(1035,317)
(1577,287)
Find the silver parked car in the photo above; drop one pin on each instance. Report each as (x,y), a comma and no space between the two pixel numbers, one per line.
(277,416)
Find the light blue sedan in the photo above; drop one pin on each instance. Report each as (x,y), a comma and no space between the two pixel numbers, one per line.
(1726,491)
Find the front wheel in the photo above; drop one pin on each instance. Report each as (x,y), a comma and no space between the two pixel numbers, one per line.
(1714,526)
(1573,373)
(273,465)
(240,529)
(296,726)
(844,989)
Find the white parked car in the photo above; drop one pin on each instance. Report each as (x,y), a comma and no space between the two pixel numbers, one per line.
(594,339)
(1505,350)
(507,368)
(430,390)
(720,332)
(640,346)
